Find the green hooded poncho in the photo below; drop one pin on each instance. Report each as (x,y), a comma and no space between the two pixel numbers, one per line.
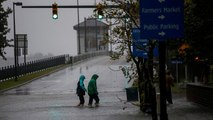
(92,87)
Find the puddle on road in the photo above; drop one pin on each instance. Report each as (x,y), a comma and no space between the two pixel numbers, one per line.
(22,91)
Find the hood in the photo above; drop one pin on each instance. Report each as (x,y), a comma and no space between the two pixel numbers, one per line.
(95,76)
(82,77)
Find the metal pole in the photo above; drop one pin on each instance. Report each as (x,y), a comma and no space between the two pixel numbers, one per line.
(15,40)
(79,43)
(96,34)
(96,30)
(25,51)
(71,6)
(85,34)
(110,31)
(15,43)
(177,71)
(162,78)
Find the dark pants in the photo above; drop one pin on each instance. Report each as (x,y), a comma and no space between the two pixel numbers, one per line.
(91,97)
(81,98)
(169,96)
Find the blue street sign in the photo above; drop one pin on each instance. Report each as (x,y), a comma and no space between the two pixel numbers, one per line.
(140,46)
(161,19)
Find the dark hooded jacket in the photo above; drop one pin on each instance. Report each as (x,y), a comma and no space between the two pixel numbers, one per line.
(80,86)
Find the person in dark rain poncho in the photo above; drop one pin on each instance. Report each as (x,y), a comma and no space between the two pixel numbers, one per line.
(169,84)
(80,91)
(92,91)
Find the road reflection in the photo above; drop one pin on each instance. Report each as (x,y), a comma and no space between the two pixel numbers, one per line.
(22,91)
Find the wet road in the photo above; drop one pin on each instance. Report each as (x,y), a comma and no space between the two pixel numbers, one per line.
(53,97)
(64,81)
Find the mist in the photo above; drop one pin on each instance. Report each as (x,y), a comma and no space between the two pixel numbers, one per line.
(46,35)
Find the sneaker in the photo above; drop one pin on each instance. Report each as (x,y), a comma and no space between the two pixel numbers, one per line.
(78,104)
(89,105)
(81,105)
(96,104)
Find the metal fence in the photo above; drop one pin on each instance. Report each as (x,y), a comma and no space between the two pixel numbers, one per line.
(8,72)
(200,94)
(81,57)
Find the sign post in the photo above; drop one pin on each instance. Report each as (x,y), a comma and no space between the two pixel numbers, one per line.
(161,19)
(22,43)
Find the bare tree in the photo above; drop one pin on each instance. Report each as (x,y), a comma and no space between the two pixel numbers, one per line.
(4,42)
(123,16)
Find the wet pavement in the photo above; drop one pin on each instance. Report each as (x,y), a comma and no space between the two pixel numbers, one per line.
(53,97)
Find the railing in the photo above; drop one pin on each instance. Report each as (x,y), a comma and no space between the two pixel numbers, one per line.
(200,94)
(8,72)
(81,57)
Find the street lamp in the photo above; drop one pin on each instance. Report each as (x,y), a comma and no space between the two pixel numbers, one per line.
(15,40)
(79,43)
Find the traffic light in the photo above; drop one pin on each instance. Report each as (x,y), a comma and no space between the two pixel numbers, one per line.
(54,11)
(100,14)
(99,11)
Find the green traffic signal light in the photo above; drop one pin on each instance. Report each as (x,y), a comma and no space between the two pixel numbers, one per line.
(55,16)
(99,11)
(54,11)
(100,14)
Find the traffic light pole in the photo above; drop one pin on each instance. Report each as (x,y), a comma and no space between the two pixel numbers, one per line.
(15,40)
(15,43)
(71,6)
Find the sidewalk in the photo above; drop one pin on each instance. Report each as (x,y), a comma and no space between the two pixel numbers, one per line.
(113,106)
(181,109)
(184,110)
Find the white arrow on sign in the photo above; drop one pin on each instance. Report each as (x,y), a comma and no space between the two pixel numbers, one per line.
(162,33)
(161,1)
(145,53)
(162,17)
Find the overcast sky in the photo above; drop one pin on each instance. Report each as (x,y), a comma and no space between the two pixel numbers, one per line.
(46,35)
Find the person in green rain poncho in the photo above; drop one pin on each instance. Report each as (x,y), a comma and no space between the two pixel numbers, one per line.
(92,91)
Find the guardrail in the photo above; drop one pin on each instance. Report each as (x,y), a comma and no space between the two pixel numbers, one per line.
(8,72)
(74,59)
(200,94)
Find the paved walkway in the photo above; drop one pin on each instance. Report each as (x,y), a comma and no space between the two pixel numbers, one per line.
(184,110)
(53,98)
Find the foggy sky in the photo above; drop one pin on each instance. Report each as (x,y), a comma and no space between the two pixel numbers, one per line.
(46,35)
